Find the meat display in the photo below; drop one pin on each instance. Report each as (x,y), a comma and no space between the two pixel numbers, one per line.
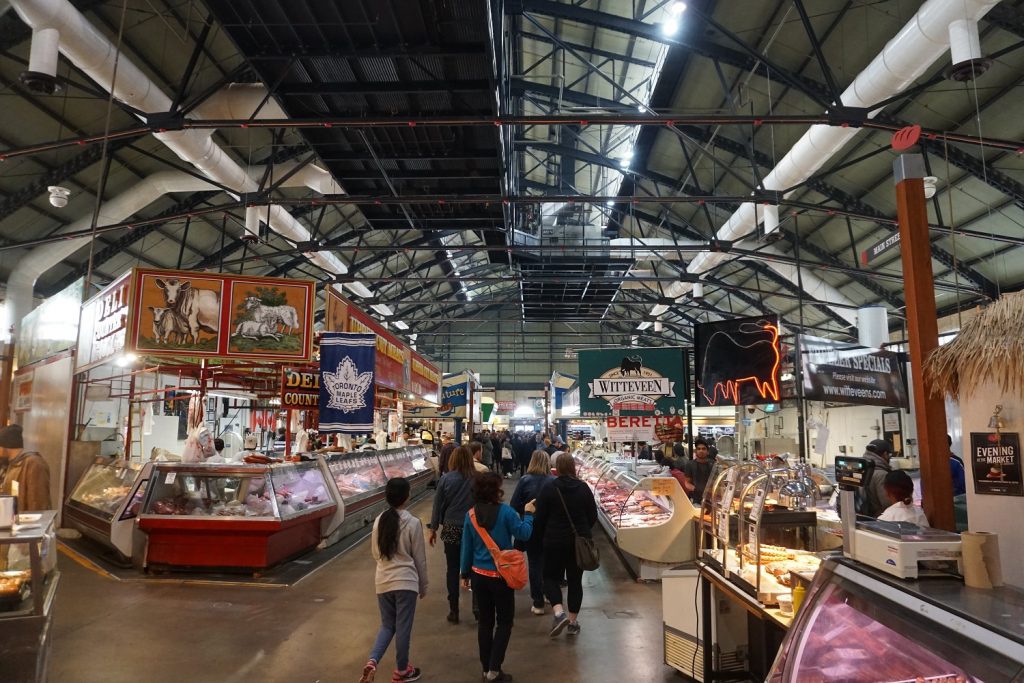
(104,488)
(624,508)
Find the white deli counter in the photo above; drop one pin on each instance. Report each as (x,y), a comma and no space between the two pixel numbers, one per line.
(649,518)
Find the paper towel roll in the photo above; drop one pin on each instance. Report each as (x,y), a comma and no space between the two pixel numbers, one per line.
(981,559)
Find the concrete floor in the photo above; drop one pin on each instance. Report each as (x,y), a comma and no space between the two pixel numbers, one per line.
(321,629)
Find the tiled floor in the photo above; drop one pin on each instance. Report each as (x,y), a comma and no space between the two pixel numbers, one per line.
(321,629)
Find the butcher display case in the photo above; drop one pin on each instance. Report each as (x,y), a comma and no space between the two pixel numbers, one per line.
(649,518)
(244,516)
(106,501)
(859,624)
(28,586)
(360,477)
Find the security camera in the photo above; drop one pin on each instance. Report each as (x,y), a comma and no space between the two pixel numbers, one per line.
(59,196)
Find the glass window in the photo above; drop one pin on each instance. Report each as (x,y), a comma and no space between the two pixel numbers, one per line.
(227,493)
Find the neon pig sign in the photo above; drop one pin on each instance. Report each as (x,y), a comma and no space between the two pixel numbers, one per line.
(739,362)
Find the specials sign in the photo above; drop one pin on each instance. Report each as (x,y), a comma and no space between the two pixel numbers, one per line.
(995,464)
(300,388)
(631,381)
(845,373)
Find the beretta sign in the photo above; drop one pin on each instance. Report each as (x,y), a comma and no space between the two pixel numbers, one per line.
(631,381)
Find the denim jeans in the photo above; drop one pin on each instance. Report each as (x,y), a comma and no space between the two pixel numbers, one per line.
(560,561)
(535,563)
(397,609)
(497,610)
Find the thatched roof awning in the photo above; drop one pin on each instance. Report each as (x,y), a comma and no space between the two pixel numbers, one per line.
(989,349)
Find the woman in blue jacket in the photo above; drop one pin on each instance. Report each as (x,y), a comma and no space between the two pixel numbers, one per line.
(494,597)
(528,488)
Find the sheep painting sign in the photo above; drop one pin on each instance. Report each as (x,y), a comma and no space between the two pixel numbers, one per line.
(632,381)
(179,313)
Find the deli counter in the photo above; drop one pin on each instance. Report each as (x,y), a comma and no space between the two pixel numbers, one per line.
(106,501)
(649,518)
(224,515)
(860,624)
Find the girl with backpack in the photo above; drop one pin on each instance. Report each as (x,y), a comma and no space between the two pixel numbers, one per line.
(492,523)
(398,547)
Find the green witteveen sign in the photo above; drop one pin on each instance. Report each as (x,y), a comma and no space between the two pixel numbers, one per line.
(632,381)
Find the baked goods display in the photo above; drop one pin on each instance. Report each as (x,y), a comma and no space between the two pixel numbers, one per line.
(14,588)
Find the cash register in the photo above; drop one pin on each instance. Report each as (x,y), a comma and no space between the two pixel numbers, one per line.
(902,549)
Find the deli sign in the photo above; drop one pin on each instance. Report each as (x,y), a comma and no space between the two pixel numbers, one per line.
(300,388)
(631,381)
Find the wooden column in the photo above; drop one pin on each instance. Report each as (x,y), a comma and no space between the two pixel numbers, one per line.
(922,328)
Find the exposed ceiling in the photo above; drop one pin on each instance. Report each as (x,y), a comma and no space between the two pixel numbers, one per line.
(452,221)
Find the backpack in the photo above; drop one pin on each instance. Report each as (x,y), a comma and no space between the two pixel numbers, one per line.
(511,564)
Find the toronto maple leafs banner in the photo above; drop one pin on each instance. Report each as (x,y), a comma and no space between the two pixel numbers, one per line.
(346,382)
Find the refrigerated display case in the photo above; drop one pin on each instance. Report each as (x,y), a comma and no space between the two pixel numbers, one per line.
(649,518)
(360,477)
(28,586)
(106,501)
(245,516)
(860,624)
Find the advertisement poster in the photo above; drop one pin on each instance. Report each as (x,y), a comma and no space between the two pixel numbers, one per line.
(632,381)
(737,362)
(181,313)
(23,390)
(995,464)
(845,373)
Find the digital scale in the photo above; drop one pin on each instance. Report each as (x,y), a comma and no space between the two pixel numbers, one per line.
(902,549)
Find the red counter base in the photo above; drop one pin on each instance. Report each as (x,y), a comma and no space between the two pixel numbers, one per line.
(179,541)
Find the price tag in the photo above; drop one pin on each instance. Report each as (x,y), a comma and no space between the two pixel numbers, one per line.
(752,536)
(171,476)
(723,526)
(732,475)
(728,495)
(662,486)
(755,512)
(191,485)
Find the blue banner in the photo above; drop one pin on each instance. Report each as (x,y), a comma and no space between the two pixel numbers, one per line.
(347,362)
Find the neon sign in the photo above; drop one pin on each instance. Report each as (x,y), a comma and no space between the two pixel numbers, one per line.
(738,362)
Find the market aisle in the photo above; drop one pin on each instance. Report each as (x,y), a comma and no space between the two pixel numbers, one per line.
(321,629)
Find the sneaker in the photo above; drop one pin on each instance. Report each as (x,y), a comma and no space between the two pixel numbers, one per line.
(369,671)
(574,629)
(537,610)
(558,624)
(410,674)
(502,676)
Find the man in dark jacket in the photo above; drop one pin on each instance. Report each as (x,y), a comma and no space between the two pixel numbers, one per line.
(24,474)
(565,508)
(446,450)
(873,498)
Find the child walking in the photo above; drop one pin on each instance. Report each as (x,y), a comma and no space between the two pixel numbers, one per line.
(397,545)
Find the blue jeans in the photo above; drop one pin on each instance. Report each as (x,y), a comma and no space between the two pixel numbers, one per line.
(535,562)
(397,609)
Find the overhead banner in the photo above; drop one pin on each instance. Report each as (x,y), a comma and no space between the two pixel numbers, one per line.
(455,395)
(52,327)
(632,381)
(104,324)
(300,388)
(398,366)
(995,464)
(737,361)
(347,389)
(198,314)
(845,373)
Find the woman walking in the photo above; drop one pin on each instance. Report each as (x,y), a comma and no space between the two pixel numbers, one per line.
(397,546)
(495,598)
(565,507)
(529,487)
(452,501)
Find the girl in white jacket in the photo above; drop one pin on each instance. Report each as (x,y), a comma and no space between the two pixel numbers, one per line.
(397,545)
(899,489)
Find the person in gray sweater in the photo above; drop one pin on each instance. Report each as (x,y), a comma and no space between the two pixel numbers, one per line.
(397,546)
(452,500)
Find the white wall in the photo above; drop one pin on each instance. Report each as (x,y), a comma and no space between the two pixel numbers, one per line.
(995,514)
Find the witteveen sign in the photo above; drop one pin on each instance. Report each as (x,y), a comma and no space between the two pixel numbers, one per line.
(632,381)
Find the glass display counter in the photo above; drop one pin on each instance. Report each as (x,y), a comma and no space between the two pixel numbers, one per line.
(249,516)
(359,479)
(648,517)
(106,500)
(858,624)
(28,586)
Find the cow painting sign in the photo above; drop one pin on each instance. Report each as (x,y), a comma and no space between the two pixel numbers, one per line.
(737,361)
(632,381)
(181,313)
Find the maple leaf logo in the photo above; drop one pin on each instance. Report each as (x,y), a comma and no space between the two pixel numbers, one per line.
(347,386)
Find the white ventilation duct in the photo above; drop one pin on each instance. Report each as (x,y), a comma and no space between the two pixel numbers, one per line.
(42,57)
(94,54)
(918,45)
(872,326)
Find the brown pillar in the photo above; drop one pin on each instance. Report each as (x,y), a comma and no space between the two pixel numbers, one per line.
(922,328)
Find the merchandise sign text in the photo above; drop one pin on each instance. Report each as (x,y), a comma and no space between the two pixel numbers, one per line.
(995,464)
